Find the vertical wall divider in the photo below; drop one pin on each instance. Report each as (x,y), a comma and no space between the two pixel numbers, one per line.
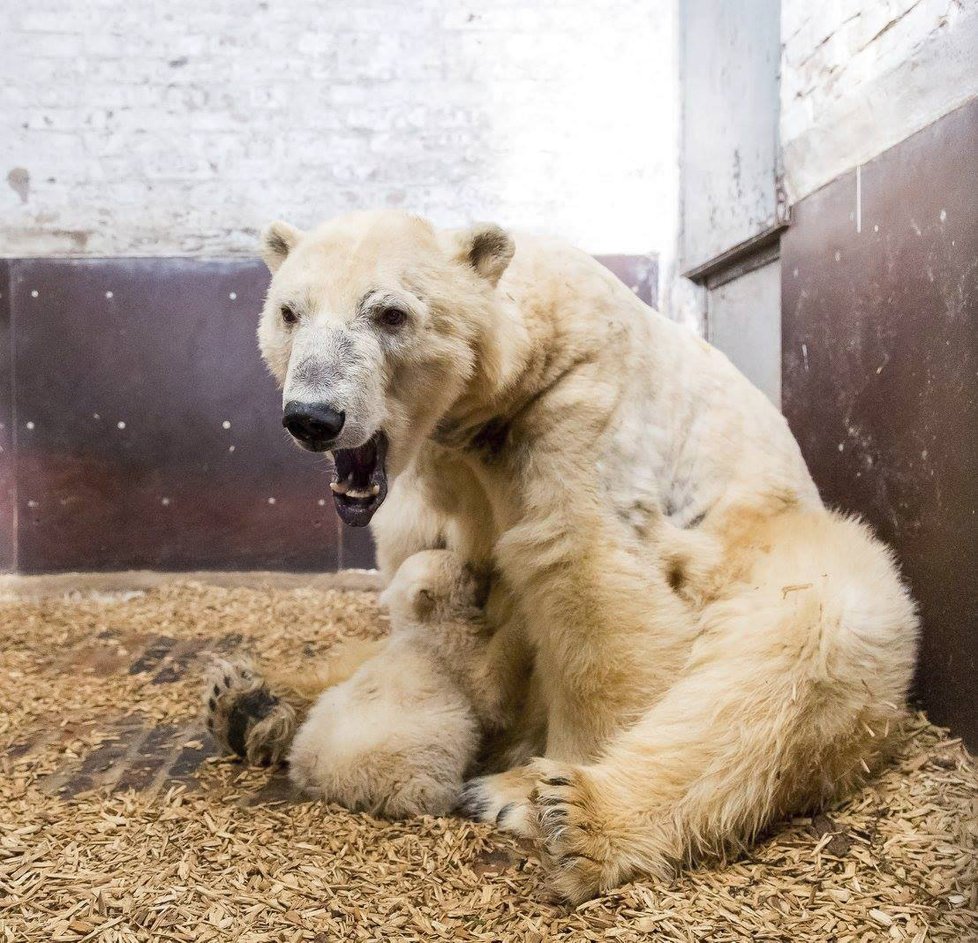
(8,430)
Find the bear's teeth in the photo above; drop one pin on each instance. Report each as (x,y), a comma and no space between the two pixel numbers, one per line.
(344,488)
(361,492)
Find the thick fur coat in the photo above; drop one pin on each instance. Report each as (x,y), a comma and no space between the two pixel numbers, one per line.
(687,644)
(397,737)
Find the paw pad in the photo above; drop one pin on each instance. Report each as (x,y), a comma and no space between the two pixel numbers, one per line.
(244,717)
(246,711)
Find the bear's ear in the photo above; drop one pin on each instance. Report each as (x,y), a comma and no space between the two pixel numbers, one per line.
(424,603)
(276,242)
(488,248)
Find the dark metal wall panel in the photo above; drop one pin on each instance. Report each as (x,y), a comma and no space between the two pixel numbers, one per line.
(8,485)
(149,434)
(880,383)
(356,548)
(638,272)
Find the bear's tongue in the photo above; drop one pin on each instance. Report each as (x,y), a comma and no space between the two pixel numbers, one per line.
(359,482)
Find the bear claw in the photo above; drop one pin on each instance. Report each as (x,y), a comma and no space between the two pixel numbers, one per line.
(471,803)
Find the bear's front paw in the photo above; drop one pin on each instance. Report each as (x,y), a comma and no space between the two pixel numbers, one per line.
(574,841)
(244,716)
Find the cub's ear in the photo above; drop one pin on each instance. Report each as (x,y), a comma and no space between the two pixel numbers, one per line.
(424,603)
(481,577)
(276,242)
(488,248)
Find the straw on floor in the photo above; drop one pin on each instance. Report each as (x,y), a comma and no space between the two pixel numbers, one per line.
(117,824)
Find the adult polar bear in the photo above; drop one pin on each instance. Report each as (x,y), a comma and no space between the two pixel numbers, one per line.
(711,648)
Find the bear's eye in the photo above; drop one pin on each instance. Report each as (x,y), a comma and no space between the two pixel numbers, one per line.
(288,314)
(392,317)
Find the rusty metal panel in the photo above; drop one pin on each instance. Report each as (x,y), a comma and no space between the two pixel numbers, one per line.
(880,382)
(8,487)
(148,432)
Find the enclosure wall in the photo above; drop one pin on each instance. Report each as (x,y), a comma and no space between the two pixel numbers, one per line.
(172,127)
(141,429)
(880,381)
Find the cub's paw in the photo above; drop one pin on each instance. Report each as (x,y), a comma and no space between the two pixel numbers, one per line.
(244,716)
(575,845)
(502,800)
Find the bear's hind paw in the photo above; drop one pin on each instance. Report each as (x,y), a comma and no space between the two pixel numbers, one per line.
(243,715)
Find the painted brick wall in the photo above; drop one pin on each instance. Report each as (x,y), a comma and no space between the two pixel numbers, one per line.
(858,77)
(177,127)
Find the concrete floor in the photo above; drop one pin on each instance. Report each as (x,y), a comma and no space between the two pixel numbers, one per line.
(16,586)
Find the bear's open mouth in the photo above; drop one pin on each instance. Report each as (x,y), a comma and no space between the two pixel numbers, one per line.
(359,482)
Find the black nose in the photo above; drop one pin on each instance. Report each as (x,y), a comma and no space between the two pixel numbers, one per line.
(315,425)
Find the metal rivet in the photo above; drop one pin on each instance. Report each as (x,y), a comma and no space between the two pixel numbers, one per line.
(120,424)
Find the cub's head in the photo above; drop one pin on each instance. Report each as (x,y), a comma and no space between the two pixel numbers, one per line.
(435,586)
(372,326)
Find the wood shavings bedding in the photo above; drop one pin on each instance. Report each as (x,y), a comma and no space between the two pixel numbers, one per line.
(117,823)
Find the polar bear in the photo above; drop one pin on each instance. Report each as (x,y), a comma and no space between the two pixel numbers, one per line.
(709,647)
(397,736)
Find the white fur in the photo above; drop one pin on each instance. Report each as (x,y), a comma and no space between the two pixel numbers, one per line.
(397,737)
(710,647)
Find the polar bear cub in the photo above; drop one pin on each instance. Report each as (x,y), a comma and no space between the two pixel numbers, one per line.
(397,737)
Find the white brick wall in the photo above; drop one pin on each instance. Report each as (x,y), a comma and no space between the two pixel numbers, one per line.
(178,127)
(858,76)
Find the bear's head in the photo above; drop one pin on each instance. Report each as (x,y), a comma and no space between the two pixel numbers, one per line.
(436,586)
(374,325)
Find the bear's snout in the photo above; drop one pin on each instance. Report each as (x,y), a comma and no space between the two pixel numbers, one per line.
(314,426)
